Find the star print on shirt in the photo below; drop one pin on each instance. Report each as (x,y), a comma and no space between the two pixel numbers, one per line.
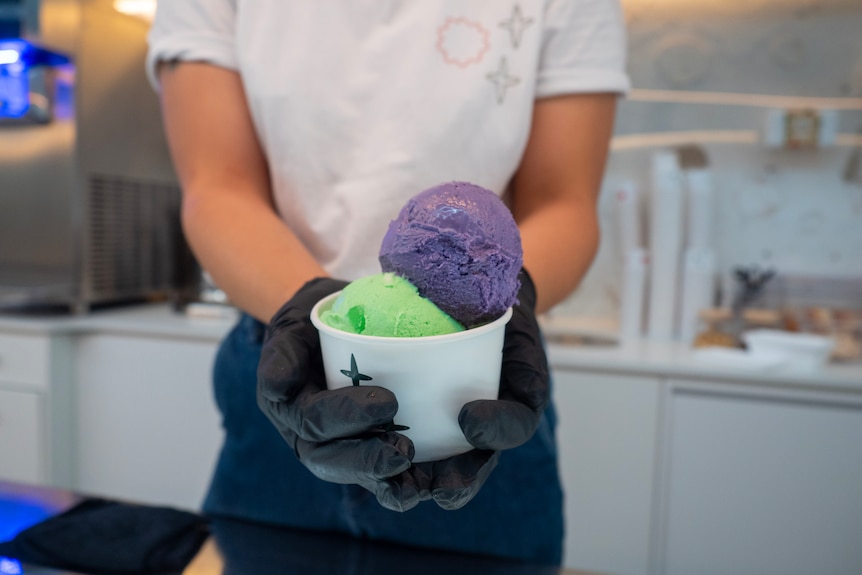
(502,80)
(353,373)
(516,24)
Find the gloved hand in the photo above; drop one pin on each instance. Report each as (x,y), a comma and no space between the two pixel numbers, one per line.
(339,435)
(342,435)
(494,425)
(512,419)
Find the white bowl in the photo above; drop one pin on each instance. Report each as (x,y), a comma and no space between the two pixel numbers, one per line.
(432,377)
(799,351)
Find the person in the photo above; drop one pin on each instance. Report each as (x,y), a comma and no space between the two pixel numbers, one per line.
(298,130)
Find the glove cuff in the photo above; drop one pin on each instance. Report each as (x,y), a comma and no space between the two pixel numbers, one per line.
(309,294)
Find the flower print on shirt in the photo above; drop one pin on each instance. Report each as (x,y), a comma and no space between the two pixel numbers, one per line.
(462,42)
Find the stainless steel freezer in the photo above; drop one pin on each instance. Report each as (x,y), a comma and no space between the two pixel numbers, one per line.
(89,201)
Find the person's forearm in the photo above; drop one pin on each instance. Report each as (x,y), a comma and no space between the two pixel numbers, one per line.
(556,190)
(227,214)
(569,231)
(247,249)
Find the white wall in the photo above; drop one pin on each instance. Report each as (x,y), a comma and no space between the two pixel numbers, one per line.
(798,211)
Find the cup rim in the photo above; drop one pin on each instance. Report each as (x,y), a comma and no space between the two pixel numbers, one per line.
(447,337)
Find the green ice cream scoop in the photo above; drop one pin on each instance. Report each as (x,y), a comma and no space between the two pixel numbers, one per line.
(387,305)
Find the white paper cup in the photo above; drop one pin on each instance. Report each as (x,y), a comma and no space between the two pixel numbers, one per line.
(432,377)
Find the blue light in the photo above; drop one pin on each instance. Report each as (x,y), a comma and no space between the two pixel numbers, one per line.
(14,93)
(9,56)
(17,514)
(16,58)
(30,54)
(12,46)
(9,566)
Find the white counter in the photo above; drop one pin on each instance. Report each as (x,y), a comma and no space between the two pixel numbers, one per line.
(673,359)
(644,357)
(155,320)
(645,429)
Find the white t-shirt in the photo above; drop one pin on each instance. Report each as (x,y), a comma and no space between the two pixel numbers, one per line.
(360,104)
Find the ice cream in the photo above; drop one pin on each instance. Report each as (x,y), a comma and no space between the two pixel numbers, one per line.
(387,305)
(459,245)
(450,260)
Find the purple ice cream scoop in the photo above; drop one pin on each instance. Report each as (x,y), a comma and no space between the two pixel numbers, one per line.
(459,245)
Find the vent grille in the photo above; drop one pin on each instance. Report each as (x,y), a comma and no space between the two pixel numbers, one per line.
(135,246)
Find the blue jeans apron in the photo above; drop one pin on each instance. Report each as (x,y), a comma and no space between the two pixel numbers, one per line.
(518,513)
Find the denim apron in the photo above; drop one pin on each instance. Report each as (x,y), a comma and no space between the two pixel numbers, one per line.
(518,513)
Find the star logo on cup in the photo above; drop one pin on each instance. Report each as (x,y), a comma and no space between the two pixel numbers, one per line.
(392,426)
(353,372)
(355,376)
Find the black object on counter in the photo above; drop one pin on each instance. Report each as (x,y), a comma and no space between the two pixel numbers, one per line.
(102,537)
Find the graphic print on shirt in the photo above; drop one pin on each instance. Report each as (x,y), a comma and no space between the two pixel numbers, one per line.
(502,80)
(462,42)
(516,24)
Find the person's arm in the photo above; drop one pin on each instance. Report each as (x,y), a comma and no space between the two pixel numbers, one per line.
(227,209)
(556,189)
(229,219)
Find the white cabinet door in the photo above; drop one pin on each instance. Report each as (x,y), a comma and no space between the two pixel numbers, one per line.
(24,359)
(147,425)
(762,484)
(607,438)
(22,442)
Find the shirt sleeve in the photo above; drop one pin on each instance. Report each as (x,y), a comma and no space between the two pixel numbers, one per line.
(198,30)
(583,48)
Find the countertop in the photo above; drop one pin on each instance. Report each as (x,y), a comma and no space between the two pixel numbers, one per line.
(206,322)
(643,357)
(241,548)
(673,359)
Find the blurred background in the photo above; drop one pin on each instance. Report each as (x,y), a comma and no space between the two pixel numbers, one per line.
(732,204)
(736,154)
(88,198)
(761,103)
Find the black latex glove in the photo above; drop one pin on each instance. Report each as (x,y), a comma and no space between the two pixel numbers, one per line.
(494,425)
(511,420)
(339,435)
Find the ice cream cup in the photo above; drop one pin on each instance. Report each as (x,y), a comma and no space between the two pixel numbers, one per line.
(432,377)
